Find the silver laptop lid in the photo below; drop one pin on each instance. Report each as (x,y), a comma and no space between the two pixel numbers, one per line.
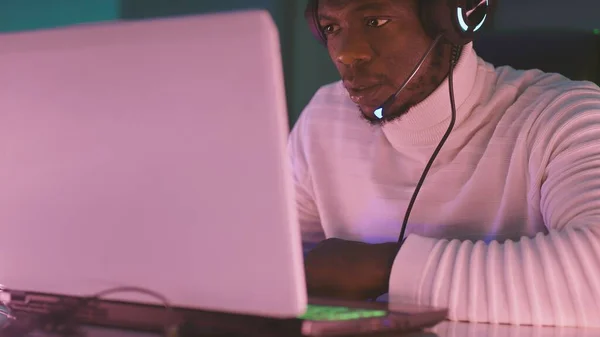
(150,154)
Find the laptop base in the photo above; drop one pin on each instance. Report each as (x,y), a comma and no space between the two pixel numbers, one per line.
(59,311)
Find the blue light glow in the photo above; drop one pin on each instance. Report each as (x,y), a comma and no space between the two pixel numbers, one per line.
(481,23)
(379,113)
(461,20)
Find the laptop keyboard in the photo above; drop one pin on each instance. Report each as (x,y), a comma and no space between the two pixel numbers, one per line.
(331,313)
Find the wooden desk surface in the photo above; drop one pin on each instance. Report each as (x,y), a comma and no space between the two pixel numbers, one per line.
(445,329)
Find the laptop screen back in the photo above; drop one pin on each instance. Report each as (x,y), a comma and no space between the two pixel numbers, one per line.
(150,154)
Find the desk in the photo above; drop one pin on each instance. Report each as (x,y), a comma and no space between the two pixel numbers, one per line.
(444,329)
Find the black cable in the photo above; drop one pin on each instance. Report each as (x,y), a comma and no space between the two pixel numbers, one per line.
(125,289)
(6,316)
(453,60)
(63,321)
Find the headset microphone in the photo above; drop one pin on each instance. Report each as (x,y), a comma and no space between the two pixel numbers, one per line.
(381,110)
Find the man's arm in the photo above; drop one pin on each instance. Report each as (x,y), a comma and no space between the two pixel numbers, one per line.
(334,268)
(551,279)
(308,215)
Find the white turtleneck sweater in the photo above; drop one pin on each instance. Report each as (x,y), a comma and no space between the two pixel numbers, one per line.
(506,228)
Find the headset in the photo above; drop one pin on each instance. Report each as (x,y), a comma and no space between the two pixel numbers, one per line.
(458,21)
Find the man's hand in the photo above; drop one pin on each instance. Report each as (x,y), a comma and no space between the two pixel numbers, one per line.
(351,270)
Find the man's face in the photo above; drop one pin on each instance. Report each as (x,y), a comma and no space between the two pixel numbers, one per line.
(375,45)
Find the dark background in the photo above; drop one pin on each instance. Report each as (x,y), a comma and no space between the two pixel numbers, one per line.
(306,64)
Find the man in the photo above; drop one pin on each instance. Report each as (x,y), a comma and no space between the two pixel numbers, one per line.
(506,228)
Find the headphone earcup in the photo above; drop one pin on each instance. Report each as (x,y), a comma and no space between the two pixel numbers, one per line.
(449,17)
(312,19)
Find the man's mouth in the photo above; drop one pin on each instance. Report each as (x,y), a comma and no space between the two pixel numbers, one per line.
(364,95)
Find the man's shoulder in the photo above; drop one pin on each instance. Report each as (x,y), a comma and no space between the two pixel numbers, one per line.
(542,88)
(329,93)
(548,106)
(546,96)
(328,120)
(330,107)
(332,97)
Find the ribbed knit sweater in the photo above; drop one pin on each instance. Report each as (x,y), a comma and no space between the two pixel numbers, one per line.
(506,228)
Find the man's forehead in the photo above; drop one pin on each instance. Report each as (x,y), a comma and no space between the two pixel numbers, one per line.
(334,5)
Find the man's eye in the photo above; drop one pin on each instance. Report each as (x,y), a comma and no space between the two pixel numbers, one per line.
(329,29)
(377,22)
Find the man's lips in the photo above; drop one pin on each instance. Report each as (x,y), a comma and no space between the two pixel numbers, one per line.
(364,95)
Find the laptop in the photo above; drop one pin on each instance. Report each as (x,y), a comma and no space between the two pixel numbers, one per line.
(143,167)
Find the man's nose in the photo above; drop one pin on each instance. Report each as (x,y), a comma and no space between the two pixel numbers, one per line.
(353,50)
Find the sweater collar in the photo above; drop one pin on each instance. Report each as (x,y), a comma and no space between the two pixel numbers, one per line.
(426,122)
